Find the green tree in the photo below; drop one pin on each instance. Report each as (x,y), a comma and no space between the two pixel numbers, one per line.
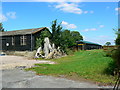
(56,33)
(69,38)
(116,55)
(40,39)
(76,35)
(117,41)
(108,43)
(66,39)
(63,38)
(1,27)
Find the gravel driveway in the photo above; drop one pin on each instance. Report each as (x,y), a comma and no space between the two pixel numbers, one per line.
(18,78)
(9,62)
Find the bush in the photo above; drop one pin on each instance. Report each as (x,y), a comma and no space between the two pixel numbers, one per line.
(116,58)
(114,66)
(109,52)
(111,69)
(69,52)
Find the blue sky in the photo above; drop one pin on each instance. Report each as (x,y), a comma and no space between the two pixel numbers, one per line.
(94,20)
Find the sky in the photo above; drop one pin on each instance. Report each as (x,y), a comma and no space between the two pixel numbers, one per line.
(94,20)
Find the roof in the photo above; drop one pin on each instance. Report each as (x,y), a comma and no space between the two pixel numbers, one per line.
(87,42)
(22,32)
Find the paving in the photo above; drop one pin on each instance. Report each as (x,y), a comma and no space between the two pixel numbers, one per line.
(19,78)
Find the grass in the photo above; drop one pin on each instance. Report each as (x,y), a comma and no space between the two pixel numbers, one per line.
(89,65)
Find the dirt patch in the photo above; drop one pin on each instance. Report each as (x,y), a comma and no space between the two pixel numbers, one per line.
(9,62)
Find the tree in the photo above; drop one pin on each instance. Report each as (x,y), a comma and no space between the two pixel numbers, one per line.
(66,39)
(40,39)
(117,41)
(63,38)
(116,58)
(56,33)
(69,38)
(108,43)
(1,27)
(116,54)
(76,35)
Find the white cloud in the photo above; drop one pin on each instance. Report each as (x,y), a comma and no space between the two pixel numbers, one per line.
(90,29)
(107,7)
(102,39)
(93,29)
(60,0)
(3,18)
(69,7)
(85,12)
(91,12)
(103,36)
(117,9)
(101,26)
(11,15)
(68,26)
(41,0)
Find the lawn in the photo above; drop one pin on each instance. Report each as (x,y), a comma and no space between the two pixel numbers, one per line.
(90,65)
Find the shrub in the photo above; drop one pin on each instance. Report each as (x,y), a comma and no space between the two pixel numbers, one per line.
(116,58)
(69,52)
(111,69)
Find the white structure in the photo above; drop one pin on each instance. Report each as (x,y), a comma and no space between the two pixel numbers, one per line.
(47,46)
(37,55)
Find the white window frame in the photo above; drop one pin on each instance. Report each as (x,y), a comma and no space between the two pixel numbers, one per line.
(23,40)
(13,40)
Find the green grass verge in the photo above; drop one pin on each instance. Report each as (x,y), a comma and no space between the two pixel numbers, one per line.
(86,64)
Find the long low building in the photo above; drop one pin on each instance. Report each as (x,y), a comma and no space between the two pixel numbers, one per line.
(86,45)
(20,40)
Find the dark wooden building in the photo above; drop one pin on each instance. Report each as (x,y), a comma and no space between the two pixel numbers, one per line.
(86,45)
(20,40)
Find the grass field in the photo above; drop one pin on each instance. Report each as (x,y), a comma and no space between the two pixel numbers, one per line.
(90,65)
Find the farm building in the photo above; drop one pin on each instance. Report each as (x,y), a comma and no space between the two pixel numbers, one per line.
(86,45)
(21,40)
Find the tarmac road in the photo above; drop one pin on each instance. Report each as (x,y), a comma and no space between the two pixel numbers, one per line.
(17,78)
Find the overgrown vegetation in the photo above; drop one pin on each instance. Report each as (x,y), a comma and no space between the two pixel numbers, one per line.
(114,66)
(117,41)
(40,39)
(63,38)
(116,53)
(90,65)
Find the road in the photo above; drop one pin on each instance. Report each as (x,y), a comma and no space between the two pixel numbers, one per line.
(19,78)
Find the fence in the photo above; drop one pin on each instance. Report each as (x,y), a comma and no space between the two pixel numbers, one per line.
(106,48)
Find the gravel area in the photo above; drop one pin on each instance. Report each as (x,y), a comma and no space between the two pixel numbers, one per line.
(9,62)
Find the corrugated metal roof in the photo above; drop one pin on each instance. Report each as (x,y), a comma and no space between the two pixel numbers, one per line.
(22,32)
(87,42)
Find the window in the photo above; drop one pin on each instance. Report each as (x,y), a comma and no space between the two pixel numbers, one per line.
(23,40)
(13,40)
